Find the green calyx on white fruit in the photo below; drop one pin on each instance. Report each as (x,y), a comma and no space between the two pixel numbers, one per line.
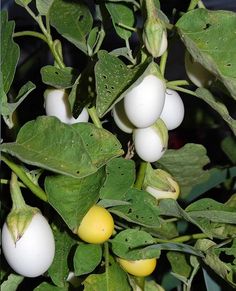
(151,143)
(143,104)
(160,184)
(155,37)
(197,74)
(56,104)
(173,110)
(32,254)
(120,117)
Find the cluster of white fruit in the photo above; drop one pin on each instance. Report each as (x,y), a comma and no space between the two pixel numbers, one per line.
(56,104)
(148,111)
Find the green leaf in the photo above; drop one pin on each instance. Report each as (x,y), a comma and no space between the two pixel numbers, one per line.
(12,282)
(43,6)
(83,90)
(216,177)
(126,244)
(142,209)
(57,77)
(186,166)
(23,3)
(210,38)
(217,219)
(227,271)
(179,264)
(10,53)
(76,150)
(121,13)
(112,280)
(120,177)
(212,210)
(86,258)
(73,20)
(59,269)
(151,285)
(218,106)
(228,145)
(72,197)
(7,109)
(113,79)
(49,287)
(210,283)
(179,247)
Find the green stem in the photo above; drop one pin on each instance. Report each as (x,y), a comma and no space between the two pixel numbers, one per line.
(22,175)
(30,33)
(178,83)
(126,27)
(184,238)
(190,92)
(93,114)
(100,40)
(106,257)
(16,195)
(163,62)
(141,174)
(201,4)
(47,35)
(7,182)
(192,4)
(151,9)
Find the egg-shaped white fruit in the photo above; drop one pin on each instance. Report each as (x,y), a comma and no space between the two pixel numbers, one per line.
(148,144)
(159,194)
(56,104)
(197,74)
(33,253)
(83,117)
(173,110)
(120,117)
(144,103)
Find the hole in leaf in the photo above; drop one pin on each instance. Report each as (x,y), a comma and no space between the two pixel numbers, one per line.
(226,258)
(91,134)
(129,211)
(81,17)
(77,172)
(137,216)
(208,25)
(108,91)
(112,87)
(106,87)
(56,73)
(126,239)
(228,65)
(104,76)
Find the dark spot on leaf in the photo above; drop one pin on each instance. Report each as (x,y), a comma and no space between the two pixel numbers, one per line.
(91,134)
(122,174)
(110,264)
(112,87)
(106,87)
(126,239)
(104,76)
(137,216)
(129,211)
(81,17)
(56,73)
(208,25)
(77,172)
(228,65)
(226,258)
(108,91)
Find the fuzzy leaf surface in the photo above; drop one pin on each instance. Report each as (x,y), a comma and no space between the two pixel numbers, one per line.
(76,150)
